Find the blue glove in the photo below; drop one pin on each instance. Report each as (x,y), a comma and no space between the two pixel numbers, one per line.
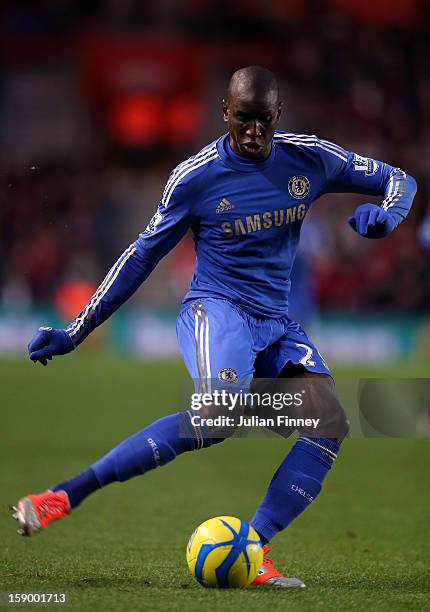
(48,342)
(372,221)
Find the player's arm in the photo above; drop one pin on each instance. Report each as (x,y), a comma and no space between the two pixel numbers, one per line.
(350,172)
(166,228)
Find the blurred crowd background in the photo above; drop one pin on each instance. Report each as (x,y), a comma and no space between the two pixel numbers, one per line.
(100,100)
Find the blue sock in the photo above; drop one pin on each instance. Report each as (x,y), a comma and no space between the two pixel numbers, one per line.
(295,485)
(151,447)
(79,487)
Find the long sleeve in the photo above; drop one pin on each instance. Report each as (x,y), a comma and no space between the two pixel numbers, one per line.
(168,225)
(349,172)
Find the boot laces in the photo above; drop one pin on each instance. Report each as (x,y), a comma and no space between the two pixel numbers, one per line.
(52,505)
(266,551)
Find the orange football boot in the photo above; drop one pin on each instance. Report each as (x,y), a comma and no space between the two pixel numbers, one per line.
(269,576)
(35,512)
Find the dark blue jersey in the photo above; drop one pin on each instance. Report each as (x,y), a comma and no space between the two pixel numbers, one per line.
(246,217)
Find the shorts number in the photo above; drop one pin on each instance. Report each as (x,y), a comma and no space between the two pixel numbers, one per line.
(307,359)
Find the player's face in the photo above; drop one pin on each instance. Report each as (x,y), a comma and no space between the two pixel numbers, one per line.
(252,121)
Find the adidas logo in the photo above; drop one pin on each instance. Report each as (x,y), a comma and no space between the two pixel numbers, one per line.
(224,205)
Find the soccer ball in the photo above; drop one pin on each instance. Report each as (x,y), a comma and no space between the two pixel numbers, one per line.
(224,552)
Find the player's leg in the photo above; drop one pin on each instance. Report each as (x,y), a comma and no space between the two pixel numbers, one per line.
(299,478)
(210,334)
(152,447)
(213,338)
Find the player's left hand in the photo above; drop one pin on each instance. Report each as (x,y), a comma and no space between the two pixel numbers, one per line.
(372,221)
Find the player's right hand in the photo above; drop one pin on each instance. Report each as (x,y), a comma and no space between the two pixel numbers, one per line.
(48,342)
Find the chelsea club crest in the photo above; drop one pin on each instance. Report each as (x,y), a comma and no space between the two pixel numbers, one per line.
(228,375)
(299,186)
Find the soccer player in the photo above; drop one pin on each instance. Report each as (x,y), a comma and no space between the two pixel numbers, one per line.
(245,197)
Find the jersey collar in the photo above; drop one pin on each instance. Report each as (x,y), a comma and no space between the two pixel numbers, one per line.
(231,159)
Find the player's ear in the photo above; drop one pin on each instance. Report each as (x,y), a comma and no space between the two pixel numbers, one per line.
(279,111)
(225,110)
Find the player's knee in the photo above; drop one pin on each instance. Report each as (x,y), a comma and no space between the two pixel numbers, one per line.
(338,420)
(334,422)
(336,413)
(326,410)
(216,423)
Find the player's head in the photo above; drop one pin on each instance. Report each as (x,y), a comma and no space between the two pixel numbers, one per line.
(252,110)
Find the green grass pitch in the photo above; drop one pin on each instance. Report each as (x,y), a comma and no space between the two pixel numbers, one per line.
(363,545)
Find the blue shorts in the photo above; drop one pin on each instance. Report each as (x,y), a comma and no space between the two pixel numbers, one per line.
(224,346)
